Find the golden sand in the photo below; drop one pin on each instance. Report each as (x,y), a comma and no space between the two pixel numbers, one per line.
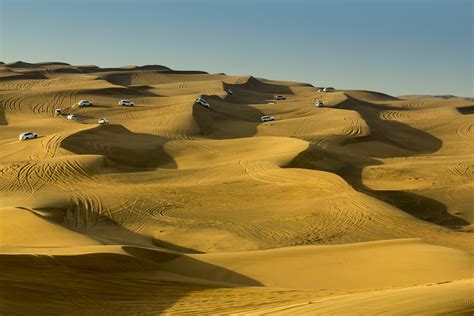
(363,206)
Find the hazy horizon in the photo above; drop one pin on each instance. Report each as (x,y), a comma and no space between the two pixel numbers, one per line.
(396,47)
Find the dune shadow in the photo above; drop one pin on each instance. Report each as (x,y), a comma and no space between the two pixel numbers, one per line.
(226,120)
(124,77)
(350,165)
(3,116)
(174,247)
(466,109)
(138,282)
(84,219)
(391,132)
(121,146)
(421,207)
(254,91)
(258,85)
(122,93)
(136,279)
(232,115)
(20,75)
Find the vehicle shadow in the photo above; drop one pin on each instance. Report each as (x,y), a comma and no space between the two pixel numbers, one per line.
(350,165)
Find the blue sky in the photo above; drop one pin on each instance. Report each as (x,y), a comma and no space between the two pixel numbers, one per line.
(393,46)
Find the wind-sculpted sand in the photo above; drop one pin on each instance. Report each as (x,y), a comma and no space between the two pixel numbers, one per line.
(363,206)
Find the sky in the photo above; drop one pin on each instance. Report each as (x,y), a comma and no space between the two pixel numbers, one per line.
(394,46)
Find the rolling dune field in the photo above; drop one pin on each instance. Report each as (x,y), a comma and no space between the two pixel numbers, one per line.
(364,206)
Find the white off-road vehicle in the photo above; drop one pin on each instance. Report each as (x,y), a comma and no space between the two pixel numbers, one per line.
(126,103)
(319,104)
(280,97)
(71,117)
(103,121)
(267,118)
(85,103)
(202,102)
(27,135)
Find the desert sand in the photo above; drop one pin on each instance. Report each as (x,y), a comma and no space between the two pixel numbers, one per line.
(364,206)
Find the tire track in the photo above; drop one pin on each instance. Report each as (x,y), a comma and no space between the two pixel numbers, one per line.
(52,145)
(129,113)
(172,128)
(462,169)
(466,130)
(12,104)
(354,128)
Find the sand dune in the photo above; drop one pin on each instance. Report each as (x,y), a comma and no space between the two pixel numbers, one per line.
(399,263)
(363,206)
(433,299)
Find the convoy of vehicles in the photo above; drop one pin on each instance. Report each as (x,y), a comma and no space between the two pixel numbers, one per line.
(201,101)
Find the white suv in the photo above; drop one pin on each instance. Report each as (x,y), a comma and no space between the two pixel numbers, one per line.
(71,117)
(27,135)
(267,118)
(280,97)
(85,103)
(103,121)
(202,102)
(319,104)
(126,103)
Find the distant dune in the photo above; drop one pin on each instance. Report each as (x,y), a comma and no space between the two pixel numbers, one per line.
(362,206)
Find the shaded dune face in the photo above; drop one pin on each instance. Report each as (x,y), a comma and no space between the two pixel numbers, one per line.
(3,119)
(365,204)
(213,123)
(120,146)
(409,140)
(466,109)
